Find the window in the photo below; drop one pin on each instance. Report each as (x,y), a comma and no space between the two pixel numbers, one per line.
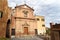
(42,19)
(43,25)
(37,19)
(1,13)
(25,13)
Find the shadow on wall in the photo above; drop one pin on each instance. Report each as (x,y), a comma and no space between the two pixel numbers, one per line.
(8,29)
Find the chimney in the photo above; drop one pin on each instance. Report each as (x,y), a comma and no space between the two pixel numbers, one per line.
(51,25)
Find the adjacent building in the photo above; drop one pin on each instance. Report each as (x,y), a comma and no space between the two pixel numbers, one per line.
(55,31)
(41,25)
(4,19)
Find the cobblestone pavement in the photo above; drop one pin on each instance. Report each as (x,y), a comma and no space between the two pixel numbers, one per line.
(27,38)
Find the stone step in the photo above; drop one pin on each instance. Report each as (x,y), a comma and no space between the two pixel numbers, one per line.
(27,38)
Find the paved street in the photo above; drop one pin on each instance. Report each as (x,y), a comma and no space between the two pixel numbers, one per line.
(27,38)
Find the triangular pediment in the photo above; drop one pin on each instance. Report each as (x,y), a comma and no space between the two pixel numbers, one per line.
(24,6)
(25,24)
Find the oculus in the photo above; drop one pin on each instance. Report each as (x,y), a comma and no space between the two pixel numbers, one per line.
(25,13)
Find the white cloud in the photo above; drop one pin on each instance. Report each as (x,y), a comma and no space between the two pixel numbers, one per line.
(48,1)
(12,4)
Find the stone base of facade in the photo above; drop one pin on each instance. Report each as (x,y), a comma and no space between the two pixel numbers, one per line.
(19,34)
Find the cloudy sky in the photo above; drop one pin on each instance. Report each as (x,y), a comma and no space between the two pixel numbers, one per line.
(48,8)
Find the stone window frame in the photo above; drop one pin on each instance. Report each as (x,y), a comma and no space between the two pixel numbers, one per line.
(43,25)
(38,19)
(43,19)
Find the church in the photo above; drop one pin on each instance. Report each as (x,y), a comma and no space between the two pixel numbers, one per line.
(23,21)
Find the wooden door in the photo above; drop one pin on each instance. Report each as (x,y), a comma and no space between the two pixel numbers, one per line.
(25,30)
(13,32)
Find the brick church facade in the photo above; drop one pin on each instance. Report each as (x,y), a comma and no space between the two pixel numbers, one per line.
(23,21)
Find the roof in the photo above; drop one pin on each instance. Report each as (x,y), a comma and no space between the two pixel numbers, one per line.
(25,5)
(39,16)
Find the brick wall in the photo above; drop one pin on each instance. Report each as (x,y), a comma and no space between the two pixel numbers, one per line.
(3,20)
